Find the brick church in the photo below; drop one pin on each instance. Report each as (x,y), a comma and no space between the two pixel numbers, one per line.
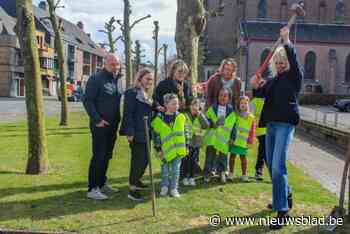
(250,27)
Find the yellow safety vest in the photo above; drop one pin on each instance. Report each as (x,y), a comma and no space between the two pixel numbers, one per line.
(220,137)
(194,126)
(258,105)
(172,138)
(243,127)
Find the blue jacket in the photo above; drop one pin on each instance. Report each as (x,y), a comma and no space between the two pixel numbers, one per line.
(102,98)
(135,108)
(229,110)
(281,93)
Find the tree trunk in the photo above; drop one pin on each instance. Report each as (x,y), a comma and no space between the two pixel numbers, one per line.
(37,142)
(155,37)
(61,62)
(137,55)
(190,22)
(127,42)
(111,42)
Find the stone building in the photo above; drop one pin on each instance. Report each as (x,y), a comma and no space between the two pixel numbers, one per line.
(82,55)
(250,27)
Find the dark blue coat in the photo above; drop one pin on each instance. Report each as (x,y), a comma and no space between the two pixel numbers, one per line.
(102,98)
(135,108)
(281,93)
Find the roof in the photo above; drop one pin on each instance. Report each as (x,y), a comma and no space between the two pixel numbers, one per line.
(306,32)
(71,32)
(7,23)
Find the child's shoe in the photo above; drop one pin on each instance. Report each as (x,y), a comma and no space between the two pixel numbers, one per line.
(230,177)
(191,182)
(244,178)
(185,182)
(206,179)
(175,193)
(164,191)
(223,177)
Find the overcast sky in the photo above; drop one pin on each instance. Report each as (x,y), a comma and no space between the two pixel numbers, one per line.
(94,13)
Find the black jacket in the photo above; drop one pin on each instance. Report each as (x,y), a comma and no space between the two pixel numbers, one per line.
(281,93)
(135,108)
(102,98)
(170,86)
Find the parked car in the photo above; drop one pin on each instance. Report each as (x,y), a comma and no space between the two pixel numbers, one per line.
(342,105)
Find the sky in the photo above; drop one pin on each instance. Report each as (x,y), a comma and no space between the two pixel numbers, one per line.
(94,13)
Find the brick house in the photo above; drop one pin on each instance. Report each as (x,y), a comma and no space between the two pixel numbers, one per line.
(322,39)
(82,55)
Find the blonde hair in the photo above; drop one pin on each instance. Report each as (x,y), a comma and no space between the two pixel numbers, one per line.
(243,98)
(140,74)
(177,65)
(280,55)
(228,61)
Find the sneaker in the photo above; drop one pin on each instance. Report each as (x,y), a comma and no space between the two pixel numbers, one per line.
(139,186)
(135,196)
(109,189)
(185,182)
(192,182)
(206,179)
(164,191)
(244,178)
(96,194)
(282,218)
(175,193)
(223,177)
(230,176)
(259,175)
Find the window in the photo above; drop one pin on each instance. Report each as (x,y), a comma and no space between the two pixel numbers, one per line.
(347,70)
(86,70)
(310,65)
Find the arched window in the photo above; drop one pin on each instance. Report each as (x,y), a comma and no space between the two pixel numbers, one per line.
(310,65)
(347,70)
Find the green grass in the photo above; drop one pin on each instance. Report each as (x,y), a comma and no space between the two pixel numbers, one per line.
(57,201)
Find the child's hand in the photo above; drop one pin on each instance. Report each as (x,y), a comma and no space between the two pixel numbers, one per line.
(231,142)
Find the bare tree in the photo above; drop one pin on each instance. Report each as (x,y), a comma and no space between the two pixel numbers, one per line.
(109,29)
(126,28)
(38,162)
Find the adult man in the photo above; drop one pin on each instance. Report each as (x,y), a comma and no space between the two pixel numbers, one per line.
(102,103)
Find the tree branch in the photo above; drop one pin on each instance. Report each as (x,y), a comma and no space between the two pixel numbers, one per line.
(117,39)
(139,20)
(103,31)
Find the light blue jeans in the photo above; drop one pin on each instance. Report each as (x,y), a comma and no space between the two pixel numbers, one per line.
(171,171)
(278,137)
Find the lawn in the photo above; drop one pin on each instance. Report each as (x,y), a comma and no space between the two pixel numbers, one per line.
(57,201)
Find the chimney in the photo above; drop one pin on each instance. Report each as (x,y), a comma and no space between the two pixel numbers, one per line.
(43,6)
(80,25)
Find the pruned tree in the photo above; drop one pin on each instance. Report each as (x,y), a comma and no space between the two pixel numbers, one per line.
(38,162)
(126,28)
(109,29)
(156,50)
(191,21)
(138,55)
(57,28)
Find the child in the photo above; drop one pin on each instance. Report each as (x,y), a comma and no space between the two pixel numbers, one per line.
(245,133)
(222,119)
(170,143)
(195,123)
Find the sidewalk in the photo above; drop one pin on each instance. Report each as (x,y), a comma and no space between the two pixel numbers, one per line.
(319,160)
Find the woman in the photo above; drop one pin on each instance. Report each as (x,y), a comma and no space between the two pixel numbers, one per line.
(175,83)
(281,115)
(225,77)
(137,104)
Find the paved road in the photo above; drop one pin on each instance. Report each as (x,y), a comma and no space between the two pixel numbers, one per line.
(320,160)
(12,110)
(317,113)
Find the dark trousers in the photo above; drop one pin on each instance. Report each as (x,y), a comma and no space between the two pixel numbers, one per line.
(139,162)
(103,141)
(261,154)
(189,163)
(210,160)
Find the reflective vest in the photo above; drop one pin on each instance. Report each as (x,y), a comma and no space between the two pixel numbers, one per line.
(243,127)
(220,137)
(258,105)
(172,138)
(194,126)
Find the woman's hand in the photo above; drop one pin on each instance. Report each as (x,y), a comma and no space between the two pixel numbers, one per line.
(256,82)
(284,33)
(130,139)
(160,109)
